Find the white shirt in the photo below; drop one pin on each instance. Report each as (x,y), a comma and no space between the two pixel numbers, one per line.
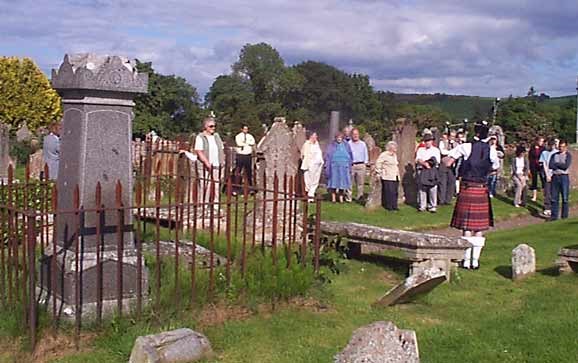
(465,150)
(445,147)
(245,143)
(424,154)
(520,165)
(213,148)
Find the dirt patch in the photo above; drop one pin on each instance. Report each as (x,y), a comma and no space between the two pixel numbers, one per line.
(48,349)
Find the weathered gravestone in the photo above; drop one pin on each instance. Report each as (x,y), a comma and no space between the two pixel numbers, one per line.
(176,346)
(36,162)
(369,141)
(374,197)
(414,286)
(279,159)
(380,342)
(405,137)
(97,96)
(568,259)
(333,125)
(23,134)
(4,151)
(523,261)
(299,134)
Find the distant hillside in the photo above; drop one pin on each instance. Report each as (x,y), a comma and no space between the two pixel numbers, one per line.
(560,100)
(458,106)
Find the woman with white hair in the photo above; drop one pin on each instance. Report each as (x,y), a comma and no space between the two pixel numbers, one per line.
(387,167)
(312,165)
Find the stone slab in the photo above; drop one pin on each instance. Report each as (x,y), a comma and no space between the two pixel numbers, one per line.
(380,342)
(413,286)
(176,346)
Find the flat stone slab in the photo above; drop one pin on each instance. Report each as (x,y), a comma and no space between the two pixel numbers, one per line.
(568,259)
(176,346)
(380,342)
(415,285)
(202,255)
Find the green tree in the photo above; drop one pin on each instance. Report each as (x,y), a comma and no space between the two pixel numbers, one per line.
(26,95)
(170,107)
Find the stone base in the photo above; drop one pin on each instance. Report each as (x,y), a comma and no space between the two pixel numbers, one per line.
(567,261)
(67,278)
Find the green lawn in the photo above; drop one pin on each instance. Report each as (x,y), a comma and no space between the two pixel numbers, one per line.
(409,219)
(482,316)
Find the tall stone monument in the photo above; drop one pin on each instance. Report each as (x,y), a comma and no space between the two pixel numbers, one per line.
(4,151)
(97,96)
(405,137)
(333,124)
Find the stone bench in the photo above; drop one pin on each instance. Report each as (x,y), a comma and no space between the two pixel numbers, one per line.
(422,250)
(568,259)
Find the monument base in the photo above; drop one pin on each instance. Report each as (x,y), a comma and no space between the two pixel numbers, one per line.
(67,281)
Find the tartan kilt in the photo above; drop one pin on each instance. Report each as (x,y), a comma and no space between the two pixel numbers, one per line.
(473,210)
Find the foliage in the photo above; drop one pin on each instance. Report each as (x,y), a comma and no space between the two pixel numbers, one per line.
(170,107)
(26,95)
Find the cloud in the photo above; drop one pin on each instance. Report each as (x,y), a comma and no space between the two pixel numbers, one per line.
(479,47)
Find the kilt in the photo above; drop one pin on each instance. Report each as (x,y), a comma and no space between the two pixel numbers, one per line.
(473,210)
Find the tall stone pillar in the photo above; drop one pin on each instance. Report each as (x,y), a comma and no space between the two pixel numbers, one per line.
(333,125)
(97,96)
(4,151)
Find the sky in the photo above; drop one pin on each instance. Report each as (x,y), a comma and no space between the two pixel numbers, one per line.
(473,47)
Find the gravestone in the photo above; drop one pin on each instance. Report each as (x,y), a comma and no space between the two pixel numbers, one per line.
(405,137)
(300,134)
(380,342)
(415,285)
(523,262)
(369,141)
(4,151)
(23,134)
(176,346)
(280,157)
(374,197)
(97,96)
(568,259)
(333,125)
(36,162)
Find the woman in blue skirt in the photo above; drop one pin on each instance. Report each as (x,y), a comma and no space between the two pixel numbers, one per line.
(338,159)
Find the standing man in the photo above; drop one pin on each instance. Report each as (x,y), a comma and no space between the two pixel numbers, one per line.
(51,151)
(427,160)
(245,143)
(211,157)
(447,186)
(535,167)
(560,162)
(547,172)
(473,210)
(359,165)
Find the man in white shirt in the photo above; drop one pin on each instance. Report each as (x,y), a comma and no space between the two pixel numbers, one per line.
(245,143)
(211,158)
(427,160)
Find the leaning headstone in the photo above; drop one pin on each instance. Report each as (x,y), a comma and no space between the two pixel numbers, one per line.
(405,137)
(380,342)
(4,151)
(176,346)
(523,261)
(97,96)
(415,285)
(23,134)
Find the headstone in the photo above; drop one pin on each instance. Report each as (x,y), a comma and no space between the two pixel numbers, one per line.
(405,137)
(374,197)
(300,134)
(333,124)
(380,342)
(36,162)
(97,96)
(4,151)
(176,346)
(415,285)
(568,259)
(374,154)
(369,141)
(23,134)
(573,167)
(523,261)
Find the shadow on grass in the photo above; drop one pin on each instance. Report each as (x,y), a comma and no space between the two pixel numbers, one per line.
(504,271)
(398,265)
(533,207)
(550,271)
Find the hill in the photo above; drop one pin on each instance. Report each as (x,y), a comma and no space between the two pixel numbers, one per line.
(459,106)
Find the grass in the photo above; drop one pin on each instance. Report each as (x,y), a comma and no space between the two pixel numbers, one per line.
(482,316)
(408,218)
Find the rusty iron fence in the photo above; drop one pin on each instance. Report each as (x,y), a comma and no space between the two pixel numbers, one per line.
(183,218)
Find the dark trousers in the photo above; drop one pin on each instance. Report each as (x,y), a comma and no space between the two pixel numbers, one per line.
(560,188)
(244,166)
(389,194)
(492,184)
(447,185)
(548,195)
(538,173)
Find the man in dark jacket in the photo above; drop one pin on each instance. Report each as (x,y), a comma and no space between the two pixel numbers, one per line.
(560,166)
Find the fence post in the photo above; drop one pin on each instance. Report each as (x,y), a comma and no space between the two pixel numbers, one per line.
(31,236)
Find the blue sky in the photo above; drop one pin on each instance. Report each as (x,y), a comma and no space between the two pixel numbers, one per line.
(475,47)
